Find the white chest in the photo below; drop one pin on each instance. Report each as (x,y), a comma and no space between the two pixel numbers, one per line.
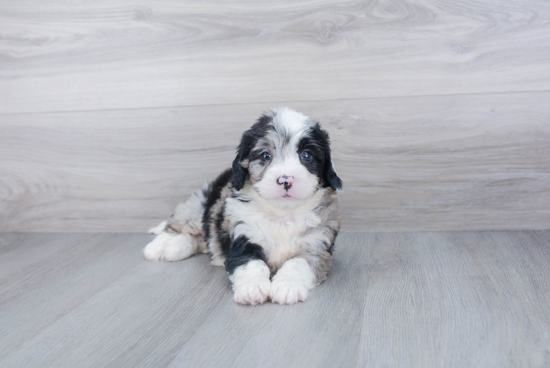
(281,234)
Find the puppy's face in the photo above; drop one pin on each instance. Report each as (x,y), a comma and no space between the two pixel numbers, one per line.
(286,157)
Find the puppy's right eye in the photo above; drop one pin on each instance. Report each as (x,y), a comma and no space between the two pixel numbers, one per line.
(266,156)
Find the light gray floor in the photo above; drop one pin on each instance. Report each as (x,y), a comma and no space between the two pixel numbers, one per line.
(458,299)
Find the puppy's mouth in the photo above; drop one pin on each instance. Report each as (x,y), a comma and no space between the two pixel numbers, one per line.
(287,195)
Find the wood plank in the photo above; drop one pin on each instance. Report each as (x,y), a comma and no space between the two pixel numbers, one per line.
(413,163)
(458,300)
(66,56)
(21,252)
(59,275)
(319,333)
(157,313)
(149,309)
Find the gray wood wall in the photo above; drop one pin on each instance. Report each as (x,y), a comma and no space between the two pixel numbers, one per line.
(112,112)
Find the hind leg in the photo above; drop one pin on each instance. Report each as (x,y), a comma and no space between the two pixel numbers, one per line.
(172,247)
(181,236)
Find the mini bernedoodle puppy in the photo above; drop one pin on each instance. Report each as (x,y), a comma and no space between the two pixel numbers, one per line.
(271,220)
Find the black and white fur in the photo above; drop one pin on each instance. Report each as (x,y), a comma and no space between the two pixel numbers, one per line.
(271,219)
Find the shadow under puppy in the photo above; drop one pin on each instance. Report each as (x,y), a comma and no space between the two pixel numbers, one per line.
(271,220)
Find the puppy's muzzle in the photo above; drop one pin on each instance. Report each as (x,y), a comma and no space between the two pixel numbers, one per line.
(286,181)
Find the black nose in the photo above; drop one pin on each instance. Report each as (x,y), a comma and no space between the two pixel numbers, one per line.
(286,181)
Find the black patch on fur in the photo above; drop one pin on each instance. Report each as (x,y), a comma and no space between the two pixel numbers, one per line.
(223,235)
(212,194)
(248,141)
(241,252)
(318,143)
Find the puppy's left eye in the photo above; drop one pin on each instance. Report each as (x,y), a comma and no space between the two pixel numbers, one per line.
(306,156)
(266,156)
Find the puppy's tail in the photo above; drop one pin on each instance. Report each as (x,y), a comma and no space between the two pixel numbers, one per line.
(159,228)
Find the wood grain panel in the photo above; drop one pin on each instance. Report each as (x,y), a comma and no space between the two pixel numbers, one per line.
(433,163)
(67,56)
(464,299)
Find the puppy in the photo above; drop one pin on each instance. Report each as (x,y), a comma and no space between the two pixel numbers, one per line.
(271,219)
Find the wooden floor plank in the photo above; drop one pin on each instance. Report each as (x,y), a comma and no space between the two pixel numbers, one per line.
(149,308)
(423,163)
(66,271)
(450,299)
(22,252)
(417,299)
(291,336)
(65,56)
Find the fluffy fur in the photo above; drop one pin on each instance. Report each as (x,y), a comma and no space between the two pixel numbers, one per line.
(271,219)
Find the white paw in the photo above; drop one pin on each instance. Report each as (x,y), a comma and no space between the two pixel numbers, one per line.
(251,284)
(168,247)
(256,291)
(287,291)
(291,283)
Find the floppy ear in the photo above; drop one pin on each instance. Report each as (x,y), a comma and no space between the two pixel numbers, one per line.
(247,141)
(239,172)
(330,177)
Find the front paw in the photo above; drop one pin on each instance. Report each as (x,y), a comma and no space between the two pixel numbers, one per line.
(254,291)
(287,291)
(251,284)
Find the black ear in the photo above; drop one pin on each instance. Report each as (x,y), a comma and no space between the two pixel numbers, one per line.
(239,173)
(248,140)
(330,178)
(243,151)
